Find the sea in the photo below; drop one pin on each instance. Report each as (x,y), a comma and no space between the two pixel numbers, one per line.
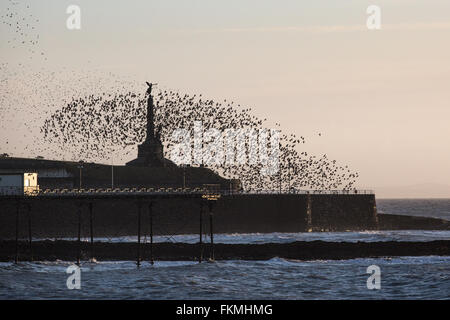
(423,277)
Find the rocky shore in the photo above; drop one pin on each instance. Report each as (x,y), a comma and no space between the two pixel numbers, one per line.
(314,250)
(404,222)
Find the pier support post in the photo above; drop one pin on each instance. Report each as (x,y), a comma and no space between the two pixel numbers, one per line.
(211,230)
(79,235)
(138,262)
(150,212)
(91,227)
(16,258)
(30,235)
(201,233)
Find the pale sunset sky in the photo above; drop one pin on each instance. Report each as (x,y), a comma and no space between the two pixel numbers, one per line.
(380,98)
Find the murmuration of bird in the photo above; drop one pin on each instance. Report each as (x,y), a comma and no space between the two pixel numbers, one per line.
(98,127)
(22,27)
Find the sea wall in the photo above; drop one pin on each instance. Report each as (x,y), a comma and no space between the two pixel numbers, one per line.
(241,213)
(343,212)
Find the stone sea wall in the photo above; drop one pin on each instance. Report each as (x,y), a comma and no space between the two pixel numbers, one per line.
(244,213)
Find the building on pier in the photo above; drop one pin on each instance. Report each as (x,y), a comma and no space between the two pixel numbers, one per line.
(14,182)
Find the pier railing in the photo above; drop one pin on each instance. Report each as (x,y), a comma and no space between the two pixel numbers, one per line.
(295,191)
(36,191)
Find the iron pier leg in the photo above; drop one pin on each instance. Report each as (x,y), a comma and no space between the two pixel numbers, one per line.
(16,258)
(30,236)
(150,211)
(211,230)
(91,226)
(79,235)
(201,233)
(139,236)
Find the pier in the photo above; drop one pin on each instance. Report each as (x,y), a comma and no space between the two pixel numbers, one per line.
(89,197)
(142,208)
(62,214)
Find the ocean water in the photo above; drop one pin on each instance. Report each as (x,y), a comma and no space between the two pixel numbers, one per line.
(437,208)
(276,237)
(401,277)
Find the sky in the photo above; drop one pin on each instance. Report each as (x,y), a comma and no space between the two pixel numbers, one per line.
(379,98)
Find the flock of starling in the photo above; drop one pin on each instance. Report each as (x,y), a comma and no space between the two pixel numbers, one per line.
(22,28)
(98,127)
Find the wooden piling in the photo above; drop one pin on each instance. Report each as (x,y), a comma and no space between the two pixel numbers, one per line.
(150,212)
